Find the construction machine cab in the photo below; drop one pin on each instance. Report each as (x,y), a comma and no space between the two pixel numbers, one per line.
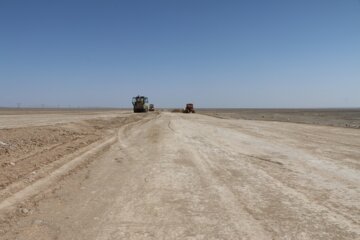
(139,99)
(151,107)
(140,104)
(189,108)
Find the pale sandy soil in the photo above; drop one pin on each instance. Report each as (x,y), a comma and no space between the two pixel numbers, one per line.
(26,118)
(178,176)
(342,117)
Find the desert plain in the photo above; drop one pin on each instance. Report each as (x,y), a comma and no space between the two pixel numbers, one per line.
(217,174)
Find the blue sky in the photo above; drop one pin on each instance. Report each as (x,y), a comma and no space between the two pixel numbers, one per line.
(214,53)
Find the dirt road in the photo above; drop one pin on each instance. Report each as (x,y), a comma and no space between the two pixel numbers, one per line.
(177,176)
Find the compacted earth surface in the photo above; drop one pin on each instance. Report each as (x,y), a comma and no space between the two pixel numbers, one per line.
(119,175)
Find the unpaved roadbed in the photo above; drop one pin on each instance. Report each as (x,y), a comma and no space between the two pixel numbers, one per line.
(25,151)
(178,176)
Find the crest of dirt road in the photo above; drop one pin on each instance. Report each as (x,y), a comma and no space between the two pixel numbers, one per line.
(34,157)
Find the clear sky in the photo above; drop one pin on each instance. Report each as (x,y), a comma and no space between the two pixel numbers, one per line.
(254,53)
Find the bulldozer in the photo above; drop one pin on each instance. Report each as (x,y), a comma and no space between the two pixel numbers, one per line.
(189,108)
(140,104)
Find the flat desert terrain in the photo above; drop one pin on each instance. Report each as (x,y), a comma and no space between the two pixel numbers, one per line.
(349,118)
(217,174)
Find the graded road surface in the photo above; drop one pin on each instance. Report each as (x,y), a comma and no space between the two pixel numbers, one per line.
(179,176)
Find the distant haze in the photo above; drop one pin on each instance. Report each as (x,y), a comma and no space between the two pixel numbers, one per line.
(259,54)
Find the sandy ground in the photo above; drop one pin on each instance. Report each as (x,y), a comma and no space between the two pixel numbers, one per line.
(178,176)
(12,118)
(349,118)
